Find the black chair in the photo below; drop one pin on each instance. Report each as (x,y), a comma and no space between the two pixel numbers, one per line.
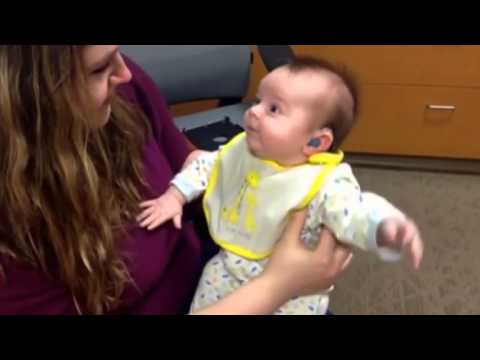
(274,56)
(188,73)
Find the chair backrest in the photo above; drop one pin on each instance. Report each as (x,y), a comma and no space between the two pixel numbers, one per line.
(188,73)
(274,56)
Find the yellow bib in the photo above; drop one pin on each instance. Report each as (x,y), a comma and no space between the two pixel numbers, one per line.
(248,200)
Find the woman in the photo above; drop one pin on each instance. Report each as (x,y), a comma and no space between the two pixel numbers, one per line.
(78,159)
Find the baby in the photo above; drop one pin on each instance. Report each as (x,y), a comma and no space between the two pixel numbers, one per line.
(288,159)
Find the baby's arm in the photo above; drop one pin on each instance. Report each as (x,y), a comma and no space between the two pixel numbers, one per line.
(192,181)
(367,220)
(186,186)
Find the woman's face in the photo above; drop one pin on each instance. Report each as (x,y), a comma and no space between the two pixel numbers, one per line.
(105,71)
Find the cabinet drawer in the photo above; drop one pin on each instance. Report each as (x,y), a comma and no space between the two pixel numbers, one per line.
(423,121)
(439,65)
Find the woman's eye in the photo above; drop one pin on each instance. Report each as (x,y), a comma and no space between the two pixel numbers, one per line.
(102,69)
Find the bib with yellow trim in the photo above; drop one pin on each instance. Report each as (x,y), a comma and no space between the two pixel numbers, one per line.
(248,200)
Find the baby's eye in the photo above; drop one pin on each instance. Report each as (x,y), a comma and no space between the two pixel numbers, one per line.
(256,101)
(274,109)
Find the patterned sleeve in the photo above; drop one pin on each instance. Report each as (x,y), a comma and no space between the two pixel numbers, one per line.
(193,180)
(352,215)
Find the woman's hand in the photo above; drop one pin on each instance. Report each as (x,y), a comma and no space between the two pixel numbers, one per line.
(293,270)
(297,270)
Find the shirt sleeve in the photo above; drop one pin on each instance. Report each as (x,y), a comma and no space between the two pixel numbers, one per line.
(352,215)
(193,180)
(27,291)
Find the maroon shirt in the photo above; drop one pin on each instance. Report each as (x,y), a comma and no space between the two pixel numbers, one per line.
(165,263)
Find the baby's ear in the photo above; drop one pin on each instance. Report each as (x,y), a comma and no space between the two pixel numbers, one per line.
(321,141)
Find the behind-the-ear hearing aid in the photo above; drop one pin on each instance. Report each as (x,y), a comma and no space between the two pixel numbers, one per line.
(315,143)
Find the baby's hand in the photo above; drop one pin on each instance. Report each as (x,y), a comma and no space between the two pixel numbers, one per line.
(401,235)
(166,207)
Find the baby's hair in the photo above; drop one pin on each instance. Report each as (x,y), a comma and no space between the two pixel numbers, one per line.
(342,118)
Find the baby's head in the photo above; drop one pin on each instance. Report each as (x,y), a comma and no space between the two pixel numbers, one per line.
(306,107)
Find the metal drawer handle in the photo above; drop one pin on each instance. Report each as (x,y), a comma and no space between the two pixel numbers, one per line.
(442,107)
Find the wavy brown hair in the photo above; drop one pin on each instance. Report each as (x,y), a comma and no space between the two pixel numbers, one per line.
(67,189)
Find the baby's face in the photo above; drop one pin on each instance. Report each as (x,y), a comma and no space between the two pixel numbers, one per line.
(288,111)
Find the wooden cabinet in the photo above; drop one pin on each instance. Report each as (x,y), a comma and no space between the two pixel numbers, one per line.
(433,65)
(418,120)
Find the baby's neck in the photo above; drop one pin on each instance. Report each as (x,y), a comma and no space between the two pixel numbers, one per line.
(297,161)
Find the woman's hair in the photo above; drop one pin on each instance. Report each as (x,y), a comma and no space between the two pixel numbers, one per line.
(68,189)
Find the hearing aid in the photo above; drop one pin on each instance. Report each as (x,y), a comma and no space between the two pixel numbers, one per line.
(315,143)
